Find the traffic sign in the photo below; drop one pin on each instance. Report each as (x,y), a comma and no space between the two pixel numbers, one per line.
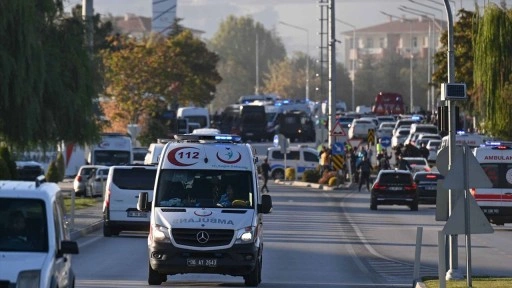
(355,142)
(337,162)
(371,136)
(338,130)
(338,148)
(385,141)
(478,224)
(466,162)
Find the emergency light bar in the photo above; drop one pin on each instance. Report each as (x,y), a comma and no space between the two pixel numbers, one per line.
(217,138)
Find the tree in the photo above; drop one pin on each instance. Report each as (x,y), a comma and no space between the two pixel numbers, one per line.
(493,69)
(48,80)
(235,43)
(61,166)
(52,175)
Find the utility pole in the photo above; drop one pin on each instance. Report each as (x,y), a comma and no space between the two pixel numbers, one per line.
(332,71)
(352,60)
(257,88)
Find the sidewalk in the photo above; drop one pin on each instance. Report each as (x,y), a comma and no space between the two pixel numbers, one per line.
(84,221)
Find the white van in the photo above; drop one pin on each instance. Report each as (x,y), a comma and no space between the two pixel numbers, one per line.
(496,202)
(192,228)
(36,252)
(154,151)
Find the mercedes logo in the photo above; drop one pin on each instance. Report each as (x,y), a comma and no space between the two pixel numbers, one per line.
(202,237)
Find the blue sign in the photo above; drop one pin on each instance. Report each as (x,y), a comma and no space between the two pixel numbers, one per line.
(338,148)
(385,142)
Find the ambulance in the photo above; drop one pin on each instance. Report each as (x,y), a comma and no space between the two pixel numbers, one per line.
(496,202)
(206,210)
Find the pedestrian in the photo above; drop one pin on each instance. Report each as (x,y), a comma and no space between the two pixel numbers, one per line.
(384,161)
(265,170)
(403,164)
(325,160)
(365,167)
(424,151)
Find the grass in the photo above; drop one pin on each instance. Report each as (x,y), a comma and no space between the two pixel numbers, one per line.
(477,282)
(80,203)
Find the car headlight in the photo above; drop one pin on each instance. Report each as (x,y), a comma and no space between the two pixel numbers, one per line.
(245,235)
(28,279)
(160,233)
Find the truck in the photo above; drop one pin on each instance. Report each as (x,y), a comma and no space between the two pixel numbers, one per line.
(198,117)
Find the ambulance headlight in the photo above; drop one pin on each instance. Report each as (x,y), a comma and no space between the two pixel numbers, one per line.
(245,235)
(28,278)
(160,233)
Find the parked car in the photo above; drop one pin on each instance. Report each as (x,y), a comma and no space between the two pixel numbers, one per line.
(426,184)
(394,187)
(418,164)
(96,181)
(80,180)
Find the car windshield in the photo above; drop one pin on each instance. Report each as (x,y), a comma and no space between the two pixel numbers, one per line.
(204,188)
(394,178)
(23,225)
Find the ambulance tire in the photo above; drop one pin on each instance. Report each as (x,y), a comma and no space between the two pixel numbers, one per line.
(155,278)
(278,174)
(254,278)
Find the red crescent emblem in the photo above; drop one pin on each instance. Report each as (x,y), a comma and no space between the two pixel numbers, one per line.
(232,161)
(172,157)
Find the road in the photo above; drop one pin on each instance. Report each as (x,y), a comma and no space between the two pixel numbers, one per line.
(313,238)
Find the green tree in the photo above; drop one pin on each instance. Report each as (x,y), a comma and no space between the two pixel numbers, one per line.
(61,166)
(47,77)
(493,69)
(52,175)
(235,43)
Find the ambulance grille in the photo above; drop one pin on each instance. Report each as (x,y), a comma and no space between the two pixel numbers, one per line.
(196,237)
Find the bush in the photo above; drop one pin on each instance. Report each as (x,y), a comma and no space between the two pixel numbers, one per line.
(311,176)
(11,164)
(333,181)
(289,174)
(53,174)
(61,166)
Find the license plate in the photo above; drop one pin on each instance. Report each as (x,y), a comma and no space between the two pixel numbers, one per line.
(249,134)
(193,262)
(395,188)
(137,214)
(430,188)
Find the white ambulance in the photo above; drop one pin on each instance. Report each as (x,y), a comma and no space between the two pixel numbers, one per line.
(496,202)
(206,210)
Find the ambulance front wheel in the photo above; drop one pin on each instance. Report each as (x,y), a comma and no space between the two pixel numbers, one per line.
(278,174)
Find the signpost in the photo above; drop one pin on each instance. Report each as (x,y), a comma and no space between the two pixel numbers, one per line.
(385,141)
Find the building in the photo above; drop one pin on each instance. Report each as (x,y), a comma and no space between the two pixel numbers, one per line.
(409,37)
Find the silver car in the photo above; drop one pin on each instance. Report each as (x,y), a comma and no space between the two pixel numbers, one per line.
(95,185)
(79,183)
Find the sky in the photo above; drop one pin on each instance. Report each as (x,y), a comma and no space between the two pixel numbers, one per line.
(206,15)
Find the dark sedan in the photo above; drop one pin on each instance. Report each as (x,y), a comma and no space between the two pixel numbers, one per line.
(426,183)
(394,187)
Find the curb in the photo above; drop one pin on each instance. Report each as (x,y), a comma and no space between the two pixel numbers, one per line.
(75,234)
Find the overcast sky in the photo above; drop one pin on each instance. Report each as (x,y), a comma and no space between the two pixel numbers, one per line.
(206,15)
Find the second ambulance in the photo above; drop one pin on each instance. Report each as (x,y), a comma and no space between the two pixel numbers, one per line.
(496,202)
(206,211)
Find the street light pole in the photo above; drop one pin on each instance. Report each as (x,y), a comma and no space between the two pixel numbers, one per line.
(353,64)
(307,53)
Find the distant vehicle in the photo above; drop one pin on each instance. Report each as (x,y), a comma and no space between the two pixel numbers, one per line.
(247,121)
(154,151)
(29,170)
(388,103)
(300,157)
(74,157)
(198,115)
(95,185)
(472,140)
(297,126)
(138,154)
(424,128)
(404,121)
(385,129)
(399,136)
(433,147)
(113,149)
(80,180)
(208,131)
(394,187)
(426,183)
(418,164)
(359,128)
(361,109)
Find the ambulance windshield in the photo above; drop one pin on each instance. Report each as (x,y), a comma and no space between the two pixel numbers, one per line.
(204,188)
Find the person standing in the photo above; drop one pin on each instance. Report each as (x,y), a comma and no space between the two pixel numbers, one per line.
(265,170)
(366,167)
